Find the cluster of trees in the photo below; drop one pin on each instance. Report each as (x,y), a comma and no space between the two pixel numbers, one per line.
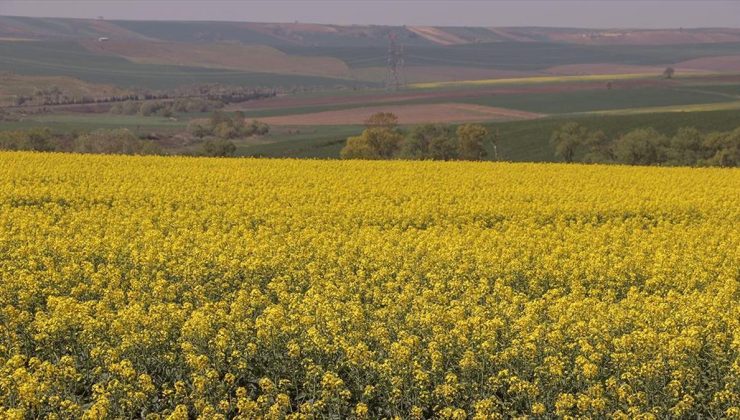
(227,126)
(225,94)
(55,95)
(117,141)
(166,108)
(216,147)
(217,132)
(212,137)
(383,139)
(647,146)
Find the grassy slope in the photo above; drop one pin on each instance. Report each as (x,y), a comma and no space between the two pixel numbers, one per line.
(89,122)
(546,103)
(227,56)
(726,89)
(257,33)
(69,59)
(301,142)
(521,56)
(359,47)
(598,100)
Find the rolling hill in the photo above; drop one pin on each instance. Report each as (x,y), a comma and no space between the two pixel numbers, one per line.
(165,54)
(323,35)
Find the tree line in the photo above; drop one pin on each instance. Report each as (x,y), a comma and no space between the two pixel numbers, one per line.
(166,108)
(227,126)
(384,139)
(209,137)
(55,95)
(574,142)
(115,141)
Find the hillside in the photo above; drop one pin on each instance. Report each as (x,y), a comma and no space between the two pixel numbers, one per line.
(165,54)
(323,35)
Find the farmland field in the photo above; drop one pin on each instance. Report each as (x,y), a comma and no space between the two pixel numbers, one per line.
(521,56)
(598,100)
(265,288)
(546,98)
(47,58)
(90,122)
(408,114)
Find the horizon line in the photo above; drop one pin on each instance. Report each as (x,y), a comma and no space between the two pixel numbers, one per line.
(378,24)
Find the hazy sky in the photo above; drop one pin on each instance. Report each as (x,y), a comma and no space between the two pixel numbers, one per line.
(584,13)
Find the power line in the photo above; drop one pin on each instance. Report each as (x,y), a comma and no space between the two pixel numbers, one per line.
(395,78)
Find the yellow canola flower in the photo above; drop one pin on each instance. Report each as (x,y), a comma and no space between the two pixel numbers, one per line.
(170,287)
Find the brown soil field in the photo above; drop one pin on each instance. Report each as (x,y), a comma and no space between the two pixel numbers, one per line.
(233,56)
(728,63)
(407,114)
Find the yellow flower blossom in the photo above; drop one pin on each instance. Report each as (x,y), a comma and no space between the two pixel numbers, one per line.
(173,287)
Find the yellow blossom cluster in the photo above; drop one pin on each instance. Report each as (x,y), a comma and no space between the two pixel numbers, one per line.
(176,288)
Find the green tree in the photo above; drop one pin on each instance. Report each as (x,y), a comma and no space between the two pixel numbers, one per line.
(15,140)
(723,149)
(149,108)
(644,146)
(444,148)
(598,148)
(40,139)
(130,107)
(218,148)
(568,139)
(118,141)
(373,143)
(200,128)
(227,130)
(686,147)
(218,117)
(257,128)
(424,140)
(471,139)
(382,120)
(233,126)
(358,147)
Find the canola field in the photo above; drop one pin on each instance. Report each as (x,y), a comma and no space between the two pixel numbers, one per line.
(160,287)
